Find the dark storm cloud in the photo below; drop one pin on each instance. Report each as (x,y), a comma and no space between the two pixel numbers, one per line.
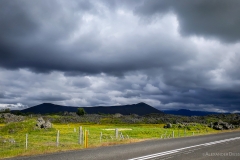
(204,96)
(41,47)
(2,95)
(81,82)
(208,18)
(40,36)
(5,95)
(30,32)
(45,53)
(110,52)
(25,19)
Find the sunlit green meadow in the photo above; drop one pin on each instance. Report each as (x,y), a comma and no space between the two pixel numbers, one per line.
(42,141)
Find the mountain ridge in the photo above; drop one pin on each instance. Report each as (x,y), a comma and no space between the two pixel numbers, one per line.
(139,109)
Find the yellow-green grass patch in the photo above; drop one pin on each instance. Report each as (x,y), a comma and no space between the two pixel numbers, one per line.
(42,141)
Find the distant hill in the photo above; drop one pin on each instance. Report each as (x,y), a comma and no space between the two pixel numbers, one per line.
(186,112)
(139,109)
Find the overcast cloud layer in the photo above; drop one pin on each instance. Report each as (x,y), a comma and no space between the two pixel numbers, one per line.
(170,54)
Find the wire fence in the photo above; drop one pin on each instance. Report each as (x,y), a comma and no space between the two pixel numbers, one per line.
(76,138)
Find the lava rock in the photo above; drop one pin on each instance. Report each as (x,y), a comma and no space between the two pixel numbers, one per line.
(41,123)
(168,125)
(8,117)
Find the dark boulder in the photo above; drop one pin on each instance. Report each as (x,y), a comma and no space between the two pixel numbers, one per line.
(220,125)
(168,125)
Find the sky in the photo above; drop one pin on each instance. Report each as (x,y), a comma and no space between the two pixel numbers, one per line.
(170,54)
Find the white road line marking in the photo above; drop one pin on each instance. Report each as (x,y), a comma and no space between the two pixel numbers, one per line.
(180,149)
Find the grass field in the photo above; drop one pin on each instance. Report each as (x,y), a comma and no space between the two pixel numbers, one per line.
(42,141)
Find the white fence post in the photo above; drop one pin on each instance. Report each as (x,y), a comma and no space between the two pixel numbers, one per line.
(57,138)
(100,137)
(116,133)
(80,136)
(26,145)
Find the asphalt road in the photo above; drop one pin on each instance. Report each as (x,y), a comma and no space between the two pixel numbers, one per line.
(216,146)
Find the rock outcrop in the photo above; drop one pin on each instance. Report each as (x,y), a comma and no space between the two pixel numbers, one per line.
(220,125)
(117,115)
(168,125)
(41,123)
(8,117)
